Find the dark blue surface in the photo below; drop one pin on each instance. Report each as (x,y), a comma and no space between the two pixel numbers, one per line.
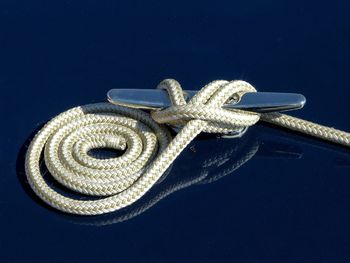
(289,203)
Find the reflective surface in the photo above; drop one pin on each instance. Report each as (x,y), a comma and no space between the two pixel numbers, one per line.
(252,101)
(287,202)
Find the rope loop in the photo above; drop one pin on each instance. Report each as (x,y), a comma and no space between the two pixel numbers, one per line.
(148,147)
(207,107)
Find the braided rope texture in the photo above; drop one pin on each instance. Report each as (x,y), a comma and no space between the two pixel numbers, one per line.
(149,148)
(219,165)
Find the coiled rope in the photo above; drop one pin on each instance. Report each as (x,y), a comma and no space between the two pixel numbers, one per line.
(219,165)
(149,149)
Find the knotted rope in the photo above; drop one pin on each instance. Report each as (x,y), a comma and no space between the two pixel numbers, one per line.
(149,149)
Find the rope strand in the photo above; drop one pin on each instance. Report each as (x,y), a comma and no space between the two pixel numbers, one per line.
(149,149)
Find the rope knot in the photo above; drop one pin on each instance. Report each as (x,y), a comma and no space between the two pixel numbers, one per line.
(149,148)
(206,106)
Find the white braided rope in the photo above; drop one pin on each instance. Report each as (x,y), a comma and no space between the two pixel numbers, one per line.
(149,150)
(219,165)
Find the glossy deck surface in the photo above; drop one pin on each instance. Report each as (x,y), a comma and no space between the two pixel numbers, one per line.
(289,201)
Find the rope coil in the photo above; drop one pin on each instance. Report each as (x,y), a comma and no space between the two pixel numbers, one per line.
(149,149)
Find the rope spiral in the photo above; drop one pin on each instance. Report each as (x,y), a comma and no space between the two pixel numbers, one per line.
(220,164)
(149,148)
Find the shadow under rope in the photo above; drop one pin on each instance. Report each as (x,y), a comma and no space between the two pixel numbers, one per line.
(208,166)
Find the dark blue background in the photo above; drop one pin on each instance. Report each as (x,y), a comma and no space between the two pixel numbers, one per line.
(289,203)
